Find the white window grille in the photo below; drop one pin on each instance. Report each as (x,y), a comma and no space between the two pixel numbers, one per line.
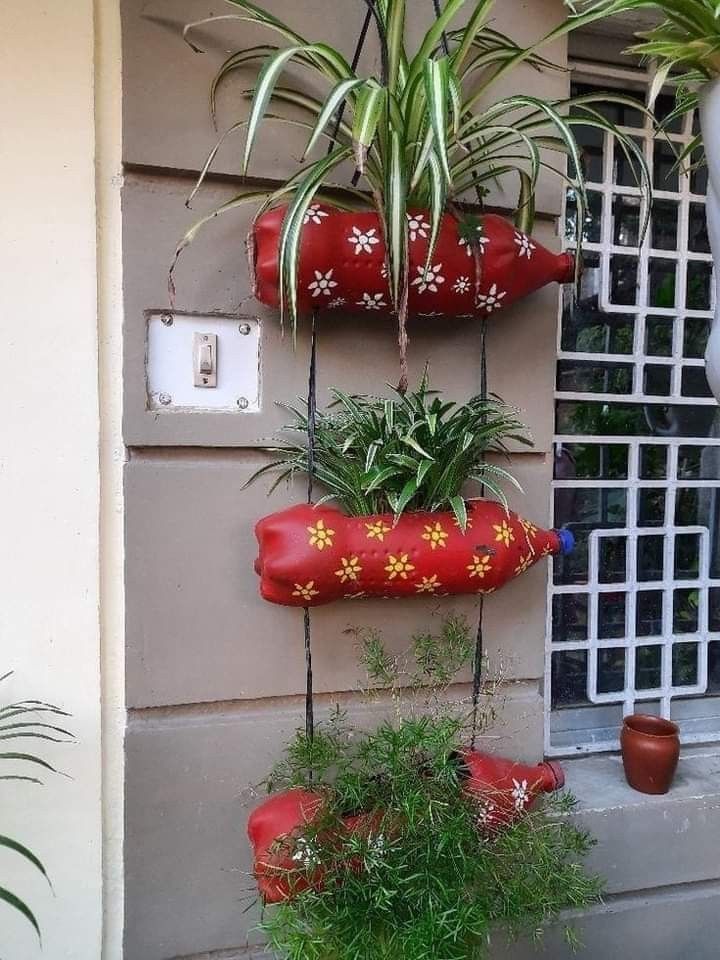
(634,612)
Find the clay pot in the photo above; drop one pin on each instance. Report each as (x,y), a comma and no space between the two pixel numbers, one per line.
(650,752)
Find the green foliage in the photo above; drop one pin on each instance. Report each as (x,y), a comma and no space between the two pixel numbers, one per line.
(422,882)
(410,452)
(423,133)
(20,723)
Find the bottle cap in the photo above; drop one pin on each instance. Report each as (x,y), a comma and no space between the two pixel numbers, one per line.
(567,540)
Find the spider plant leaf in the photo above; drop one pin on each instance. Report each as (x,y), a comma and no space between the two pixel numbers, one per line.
(23,851)
(14,901)
(289,243)
(525,215)
(438,202)
(459,508)
(433,37)
(394,35)
(369,108)
(468,36)
(27,758)
(406,495)
(411,442)
(235,62)
(395,219)
(437,93)
(335,98)
(379,477)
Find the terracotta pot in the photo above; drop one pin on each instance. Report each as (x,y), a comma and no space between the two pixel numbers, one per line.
(650,752)
(311,555)
(342,264)
(505,789)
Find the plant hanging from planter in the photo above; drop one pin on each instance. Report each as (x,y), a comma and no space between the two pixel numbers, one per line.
(422,136)
(400,469)
(407,843)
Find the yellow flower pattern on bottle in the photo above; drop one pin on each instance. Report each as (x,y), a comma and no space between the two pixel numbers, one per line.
(320,535)
(435,534)
(529,528)
(504,533)
(307,592)
(429,584)
(378,528)
(479,566)
(525,563)
(398,567)
(349,570)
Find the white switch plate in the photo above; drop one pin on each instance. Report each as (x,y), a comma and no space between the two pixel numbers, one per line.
(170,359)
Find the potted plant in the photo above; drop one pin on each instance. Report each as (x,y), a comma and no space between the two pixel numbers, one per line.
(387,853)
(34,720)
(423,135)
(401,469)
(684,51)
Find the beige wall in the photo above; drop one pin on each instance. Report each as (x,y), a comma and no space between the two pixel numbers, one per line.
(51,454)
(215,675)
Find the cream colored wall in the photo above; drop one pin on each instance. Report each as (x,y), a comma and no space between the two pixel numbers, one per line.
(54,439)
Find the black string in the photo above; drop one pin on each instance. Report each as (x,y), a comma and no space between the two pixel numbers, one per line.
(311,422)
(446,45)
(479,642)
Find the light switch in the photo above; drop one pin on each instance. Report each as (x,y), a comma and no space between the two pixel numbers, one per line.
(189,352)
(204,359)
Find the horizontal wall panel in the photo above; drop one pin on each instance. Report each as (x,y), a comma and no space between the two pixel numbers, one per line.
(197,629)
(187,866)
(358,353)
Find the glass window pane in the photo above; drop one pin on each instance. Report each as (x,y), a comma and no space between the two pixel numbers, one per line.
(684,664)
(699,276)
(693,382)
(583,376)
(659,336)
(698,173)
(626,220)
(665,173)
(591,461)
(612,560)
(657,380)
(611,670)
(661,282)
(648,613)
(624,170)
(611,615)
(664,224)
(653,462)
(623,279)
(697,330)
(593,217)
(648,667)
(687,556)
(592,152)
(570,617)
(698,240)
(650,558)
(685,611)
(569,677)
(651,507)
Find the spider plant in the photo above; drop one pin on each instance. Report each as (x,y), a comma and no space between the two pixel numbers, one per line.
(422,134)
(19,722)
(684,49)
(410,452)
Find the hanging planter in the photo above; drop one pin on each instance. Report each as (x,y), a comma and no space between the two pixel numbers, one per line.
(287,830)
(477,267)
(309,556)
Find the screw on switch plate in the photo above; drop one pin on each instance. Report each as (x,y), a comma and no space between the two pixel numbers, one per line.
(205,359)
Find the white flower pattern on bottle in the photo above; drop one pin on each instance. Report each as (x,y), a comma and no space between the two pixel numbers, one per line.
(520,794)
(372,301)
(462,285)
(337,302)
(417,226)
(364,241)
(323,284)
(428,279)
(491,300)
(525,244)
(305,853)
(314,214)
(485,812)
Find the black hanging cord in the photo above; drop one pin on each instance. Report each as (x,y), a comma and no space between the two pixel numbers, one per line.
(446,45)
(479,642)
(311,419)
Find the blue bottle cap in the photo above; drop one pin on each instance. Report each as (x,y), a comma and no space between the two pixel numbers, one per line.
(567,541)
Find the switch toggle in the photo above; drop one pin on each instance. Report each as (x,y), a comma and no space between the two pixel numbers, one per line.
(205,359)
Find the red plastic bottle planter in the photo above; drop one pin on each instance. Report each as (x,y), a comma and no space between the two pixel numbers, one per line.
(313,555)
(505,790)
(342,264)
(284,858)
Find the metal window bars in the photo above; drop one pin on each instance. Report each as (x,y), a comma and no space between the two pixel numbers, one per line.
(634,614)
